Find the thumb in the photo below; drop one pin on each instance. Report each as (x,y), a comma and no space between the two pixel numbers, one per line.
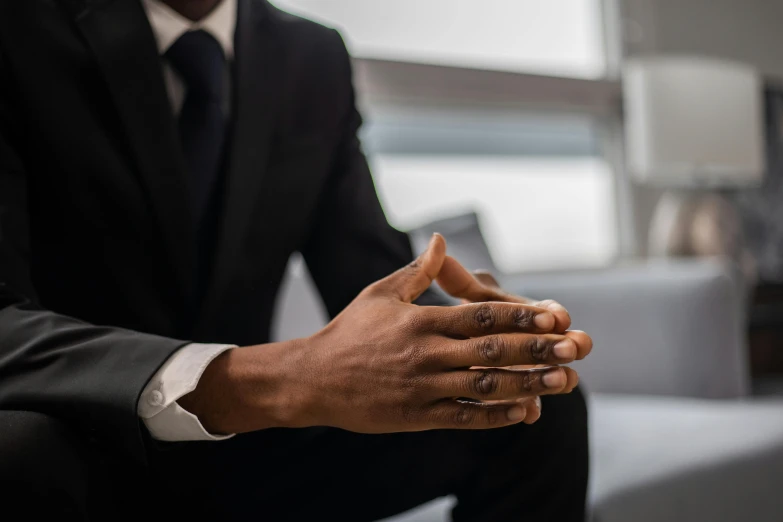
(409,282)
(456,281)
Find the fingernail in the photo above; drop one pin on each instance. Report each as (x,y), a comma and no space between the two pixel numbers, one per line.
(538,403)
(565,349)
(516,414)
(544,321)
(554,379)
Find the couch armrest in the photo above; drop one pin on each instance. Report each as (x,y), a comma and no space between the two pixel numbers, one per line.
(662,328)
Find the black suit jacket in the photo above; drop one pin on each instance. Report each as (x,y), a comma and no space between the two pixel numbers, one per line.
(96,246)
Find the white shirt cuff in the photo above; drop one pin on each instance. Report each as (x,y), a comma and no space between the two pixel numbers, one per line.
(165,419)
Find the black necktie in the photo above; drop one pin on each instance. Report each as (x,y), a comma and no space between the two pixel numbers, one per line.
(199,60)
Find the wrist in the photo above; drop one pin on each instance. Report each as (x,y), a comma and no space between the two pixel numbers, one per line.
(250,389)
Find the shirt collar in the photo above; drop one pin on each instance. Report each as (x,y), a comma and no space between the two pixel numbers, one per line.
(168,25)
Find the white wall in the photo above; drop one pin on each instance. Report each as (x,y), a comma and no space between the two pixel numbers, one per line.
(557,37)
(744,30)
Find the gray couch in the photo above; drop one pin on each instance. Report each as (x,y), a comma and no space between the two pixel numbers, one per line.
(674,435)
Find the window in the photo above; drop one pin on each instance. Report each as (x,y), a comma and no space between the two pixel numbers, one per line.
(554,37)
(537,213)
(543,192)
(498,107)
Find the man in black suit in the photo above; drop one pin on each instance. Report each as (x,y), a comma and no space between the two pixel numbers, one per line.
(159,163)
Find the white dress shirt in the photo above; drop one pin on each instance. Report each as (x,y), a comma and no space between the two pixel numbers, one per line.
(158,407)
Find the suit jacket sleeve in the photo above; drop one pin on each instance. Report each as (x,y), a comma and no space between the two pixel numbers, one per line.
(351,244)
(90,376)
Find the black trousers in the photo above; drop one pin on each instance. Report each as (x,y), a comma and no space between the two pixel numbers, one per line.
(530,473)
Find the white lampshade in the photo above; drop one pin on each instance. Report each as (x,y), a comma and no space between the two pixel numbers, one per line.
(694,121)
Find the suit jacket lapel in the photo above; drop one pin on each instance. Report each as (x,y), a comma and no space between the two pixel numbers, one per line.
(119,35)
(258,81)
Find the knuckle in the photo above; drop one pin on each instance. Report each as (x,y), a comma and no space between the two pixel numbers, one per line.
(538,349)
(492,416)
(490,350)
(413,320)
(419,391)
(408,413)
(527,382)
(485,383)
(523,318)
(485,317)
(416,354)
(464,415)
(416,321)
(419,354)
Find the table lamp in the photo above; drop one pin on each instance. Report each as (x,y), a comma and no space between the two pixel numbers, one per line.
(694,126)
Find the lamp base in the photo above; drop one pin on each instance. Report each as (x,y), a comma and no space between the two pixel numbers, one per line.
(696,224)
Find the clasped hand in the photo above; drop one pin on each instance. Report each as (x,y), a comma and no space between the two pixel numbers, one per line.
(386,365)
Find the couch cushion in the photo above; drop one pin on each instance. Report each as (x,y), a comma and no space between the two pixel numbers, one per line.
(659,459)
(672,328)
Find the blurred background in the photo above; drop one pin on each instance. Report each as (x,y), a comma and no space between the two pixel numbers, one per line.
(623,157)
